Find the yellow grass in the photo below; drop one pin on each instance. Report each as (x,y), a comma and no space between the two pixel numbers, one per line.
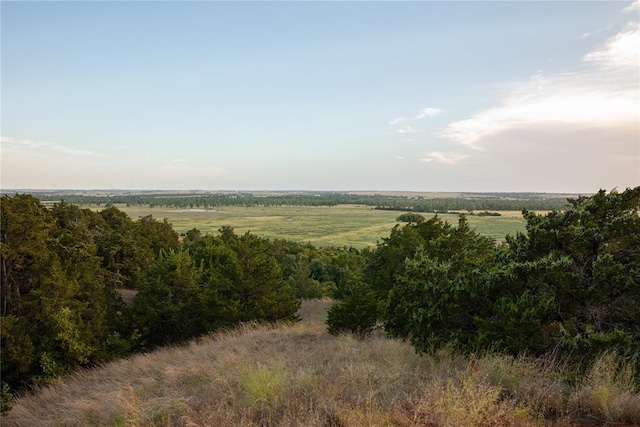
(298,375)
(342,225)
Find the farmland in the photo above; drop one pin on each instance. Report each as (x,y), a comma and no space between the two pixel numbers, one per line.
(341,225)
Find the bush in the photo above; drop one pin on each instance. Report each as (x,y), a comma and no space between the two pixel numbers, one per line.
(572,282)
(357,313)
(410,217)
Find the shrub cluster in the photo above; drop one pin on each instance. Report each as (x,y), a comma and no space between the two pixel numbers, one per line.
(61,270)
(64,270)
(410,217)
(571,283)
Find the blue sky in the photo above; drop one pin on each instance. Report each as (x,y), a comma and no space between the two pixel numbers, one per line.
(412,96)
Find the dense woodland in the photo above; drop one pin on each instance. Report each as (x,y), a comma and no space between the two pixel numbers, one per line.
(571,284)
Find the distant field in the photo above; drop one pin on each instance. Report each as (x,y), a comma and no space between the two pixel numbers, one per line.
(343,225)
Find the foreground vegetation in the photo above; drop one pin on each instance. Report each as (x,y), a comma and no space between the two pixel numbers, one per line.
(571,284)
(64,269)
(299,375)
(566,292)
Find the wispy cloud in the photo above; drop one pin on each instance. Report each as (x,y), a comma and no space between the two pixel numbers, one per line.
(43,147)
(605,95)
(54,165)
(620,52)
(428,112)
(446,158)
(425,112)
(594,32)
(575,130)
(632,7)
(406,129)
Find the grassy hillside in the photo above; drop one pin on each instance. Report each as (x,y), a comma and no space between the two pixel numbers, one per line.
(298,375)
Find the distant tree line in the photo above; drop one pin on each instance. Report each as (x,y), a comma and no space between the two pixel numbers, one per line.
(570,284)
(509,202)
(416,217)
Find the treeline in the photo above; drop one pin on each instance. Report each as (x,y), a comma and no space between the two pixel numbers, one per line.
(464,205)
(571,284)
(65,269)
(507,202)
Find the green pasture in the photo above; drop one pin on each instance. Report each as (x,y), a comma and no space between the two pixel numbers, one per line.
(343,225)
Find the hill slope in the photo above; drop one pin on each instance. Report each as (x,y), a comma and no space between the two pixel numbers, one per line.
(298,375)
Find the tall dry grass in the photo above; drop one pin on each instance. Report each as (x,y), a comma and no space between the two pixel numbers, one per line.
(298,375)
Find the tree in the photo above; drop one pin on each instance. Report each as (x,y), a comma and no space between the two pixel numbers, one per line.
(299,279)
(410,217)
(156,235)
(357,312)
(572,282)
(128,246)
(438,287)
(589,257)
(55,297)
(169,306)
(122,255)
(396,291)
(244,278)
(30,268)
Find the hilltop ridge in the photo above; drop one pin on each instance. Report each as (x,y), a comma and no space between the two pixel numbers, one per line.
(296,374)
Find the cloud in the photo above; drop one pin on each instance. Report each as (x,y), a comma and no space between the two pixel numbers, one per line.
(632,7)
(406,129)
(594,32)
(425,112)
(11,144)
(428,112)
(29,163)
(620,51)
(604,95)
(446,158)
(560,158)
(52,165)
(572,131)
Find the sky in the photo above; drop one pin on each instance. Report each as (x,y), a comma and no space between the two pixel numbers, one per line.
(471,96)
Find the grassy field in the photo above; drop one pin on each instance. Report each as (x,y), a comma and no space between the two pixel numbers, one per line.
(299,375)
(343,225)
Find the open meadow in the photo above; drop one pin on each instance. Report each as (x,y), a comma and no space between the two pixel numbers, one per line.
(342,225)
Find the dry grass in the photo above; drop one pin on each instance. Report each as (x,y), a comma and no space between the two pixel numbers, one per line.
(342,225)
(298,375)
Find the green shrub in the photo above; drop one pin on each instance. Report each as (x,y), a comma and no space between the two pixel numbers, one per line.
(410,217)
(357,313)
(571,283)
